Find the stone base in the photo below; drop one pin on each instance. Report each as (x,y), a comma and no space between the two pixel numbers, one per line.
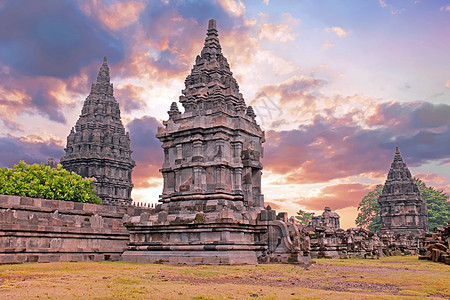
(18,258)
(192,257)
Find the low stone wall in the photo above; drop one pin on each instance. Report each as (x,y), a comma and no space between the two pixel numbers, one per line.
(41,230)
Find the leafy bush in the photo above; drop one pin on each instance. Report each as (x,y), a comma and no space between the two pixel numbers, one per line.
(40,181)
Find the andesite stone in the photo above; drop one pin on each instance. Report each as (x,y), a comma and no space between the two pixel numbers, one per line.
(403,208)
(212,209)
(98,146)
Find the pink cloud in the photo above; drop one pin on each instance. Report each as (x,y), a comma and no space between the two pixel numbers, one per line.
(337,196)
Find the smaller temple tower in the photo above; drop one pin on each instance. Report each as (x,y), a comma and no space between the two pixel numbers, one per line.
(98,145)
(403,208)
(327,219)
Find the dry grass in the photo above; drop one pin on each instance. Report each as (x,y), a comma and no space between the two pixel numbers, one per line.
(392,277)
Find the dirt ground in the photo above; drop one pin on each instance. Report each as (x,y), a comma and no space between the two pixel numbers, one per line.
(386,278)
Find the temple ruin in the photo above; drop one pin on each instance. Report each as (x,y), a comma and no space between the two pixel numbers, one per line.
(403,208)
(98,145)
(211,209)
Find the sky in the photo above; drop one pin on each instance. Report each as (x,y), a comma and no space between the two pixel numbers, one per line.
(335,84)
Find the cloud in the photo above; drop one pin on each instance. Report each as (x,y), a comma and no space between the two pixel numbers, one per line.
(327,45)
(298,89)
(30,150)
(445,7)
(437,181)
(338,30)
(115,16)
(24,94)
(52,38)
(235,7)
(338,147)
(447,85)
(147,151)
(129,97)
(337,196)
(166,38)
(276,33)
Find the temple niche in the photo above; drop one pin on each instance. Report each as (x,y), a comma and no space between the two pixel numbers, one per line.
(98,146)
(212,208)
(403,208)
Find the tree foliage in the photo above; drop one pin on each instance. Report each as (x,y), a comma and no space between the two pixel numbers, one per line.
(304,217)
(369,215)
(45,182)
(437,203)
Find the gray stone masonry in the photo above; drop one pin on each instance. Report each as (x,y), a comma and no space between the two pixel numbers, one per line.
(98,145)
(41,230)
(212,209)
(403,208)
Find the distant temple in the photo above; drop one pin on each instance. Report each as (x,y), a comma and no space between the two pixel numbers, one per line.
(403,208)
(98,146)
(327,219)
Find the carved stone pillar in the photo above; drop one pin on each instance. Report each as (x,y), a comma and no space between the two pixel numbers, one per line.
(165,184)
(238,179)
(198,179)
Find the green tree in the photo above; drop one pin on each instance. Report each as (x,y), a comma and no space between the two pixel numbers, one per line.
(304,217)
(369,210)
(43,181)
(437,203)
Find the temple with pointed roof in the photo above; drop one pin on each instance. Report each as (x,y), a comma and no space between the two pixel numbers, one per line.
(213,149)
(212,208)
(98,146)
(403,208)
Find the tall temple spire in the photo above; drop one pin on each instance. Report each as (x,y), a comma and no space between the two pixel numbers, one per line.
(403,208)
(98,145)
(211,84)
(214,147)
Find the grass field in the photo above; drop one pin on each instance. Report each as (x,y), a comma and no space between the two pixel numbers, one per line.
(386,278)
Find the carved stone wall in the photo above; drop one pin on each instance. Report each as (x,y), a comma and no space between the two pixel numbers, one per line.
(98,145)
(213,149)
(403,208)
(212,208)
(41,230)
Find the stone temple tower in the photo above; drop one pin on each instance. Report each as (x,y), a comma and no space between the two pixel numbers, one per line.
(99,147)
(403,208)
(211,209)
(213,149)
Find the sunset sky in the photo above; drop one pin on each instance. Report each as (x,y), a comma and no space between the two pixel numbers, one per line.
(336,85)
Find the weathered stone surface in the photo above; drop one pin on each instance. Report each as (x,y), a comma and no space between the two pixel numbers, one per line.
(98,145)
(403,208)
(212,209)
(41,230)
(328,219)
(436,246)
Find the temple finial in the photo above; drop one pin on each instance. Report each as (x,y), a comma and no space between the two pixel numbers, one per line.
(103,73)
(397,151)
(105,59)
(212,24)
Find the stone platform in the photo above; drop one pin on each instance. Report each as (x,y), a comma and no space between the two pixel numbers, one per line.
(41,230)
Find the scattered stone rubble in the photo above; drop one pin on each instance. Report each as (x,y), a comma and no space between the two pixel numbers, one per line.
(435,245)
(329,241)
